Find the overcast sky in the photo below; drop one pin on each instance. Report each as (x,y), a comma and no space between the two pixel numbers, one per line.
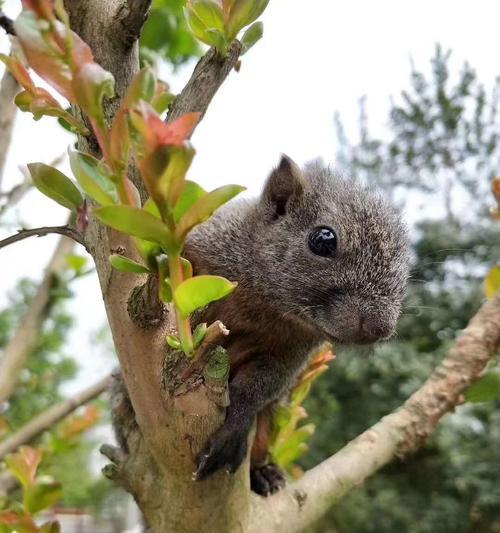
(316,57)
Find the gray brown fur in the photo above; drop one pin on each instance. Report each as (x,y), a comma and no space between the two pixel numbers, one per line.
(289,300)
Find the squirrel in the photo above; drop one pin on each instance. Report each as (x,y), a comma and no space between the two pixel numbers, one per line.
(317,258)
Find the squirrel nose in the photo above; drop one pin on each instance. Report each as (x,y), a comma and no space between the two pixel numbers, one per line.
(371,330)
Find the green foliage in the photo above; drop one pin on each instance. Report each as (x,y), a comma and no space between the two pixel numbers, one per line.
(48,366)
(39,493)
(127,265)
(442,135)
(218,23)
(166,35)
(288,441)
(492,282)
(485,389)
(197,292)
(55,185)
(162,152)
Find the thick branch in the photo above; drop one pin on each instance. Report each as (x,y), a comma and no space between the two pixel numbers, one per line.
(209,74)
(394,436)
(8,90)
(67,231)
(46,420)
(21,344)
(131,17)
(7,24)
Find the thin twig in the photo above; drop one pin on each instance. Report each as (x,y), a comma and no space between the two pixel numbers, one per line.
(48,418)
(67,231)
(214,335)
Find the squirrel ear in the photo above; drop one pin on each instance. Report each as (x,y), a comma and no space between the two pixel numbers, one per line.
(285,182)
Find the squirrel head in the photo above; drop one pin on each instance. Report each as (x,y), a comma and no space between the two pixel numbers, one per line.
(330,252)
(315,248)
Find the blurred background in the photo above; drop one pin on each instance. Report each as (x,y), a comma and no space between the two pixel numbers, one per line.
(404,96)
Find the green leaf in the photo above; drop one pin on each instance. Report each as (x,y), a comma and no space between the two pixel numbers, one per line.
(190,193)
(86,169)
(161,102)
(136,222)
(24,464)
(173,342)
(492,282)
(204,207)
(55,185)
(204,19)
(165,290)
(243,13)
(149,251)
(142,87)
(91,84)
(485,389)
(124,264)
(253,34)
(187,268)
(282,416)
(76,262)
(43,494)
(199,333)
(300,393)
(199,291)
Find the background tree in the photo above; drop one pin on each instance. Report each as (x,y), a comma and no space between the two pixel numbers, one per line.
(442,143)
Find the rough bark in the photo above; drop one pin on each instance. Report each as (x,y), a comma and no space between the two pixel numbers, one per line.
(48,418)
(395,436)
(158,468)
(24,339)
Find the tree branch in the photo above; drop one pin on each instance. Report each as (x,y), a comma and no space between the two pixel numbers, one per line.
(67,231)
(8,90)
(209,74)
(21,344)
(131,17)
(396,435)
(7,24)
(46,420)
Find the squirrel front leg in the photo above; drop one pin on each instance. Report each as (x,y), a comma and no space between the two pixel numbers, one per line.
(256,384)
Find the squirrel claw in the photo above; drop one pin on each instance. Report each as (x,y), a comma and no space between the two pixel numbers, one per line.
(226,449)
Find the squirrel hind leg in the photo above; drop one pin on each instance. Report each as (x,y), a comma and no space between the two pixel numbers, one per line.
(265,477)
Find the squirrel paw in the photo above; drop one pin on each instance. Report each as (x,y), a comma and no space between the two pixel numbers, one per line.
(267,479)
(226,448)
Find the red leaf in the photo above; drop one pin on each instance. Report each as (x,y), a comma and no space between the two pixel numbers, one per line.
(156,133)
(43,8)
(19,71)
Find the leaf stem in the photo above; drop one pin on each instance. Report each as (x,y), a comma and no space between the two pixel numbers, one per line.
(183,325)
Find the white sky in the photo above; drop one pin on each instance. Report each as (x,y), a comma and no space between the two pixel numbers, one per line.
(316,57)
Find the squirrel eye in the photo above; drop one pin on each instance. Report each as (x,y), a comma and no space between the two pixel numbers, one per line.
(322,241)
